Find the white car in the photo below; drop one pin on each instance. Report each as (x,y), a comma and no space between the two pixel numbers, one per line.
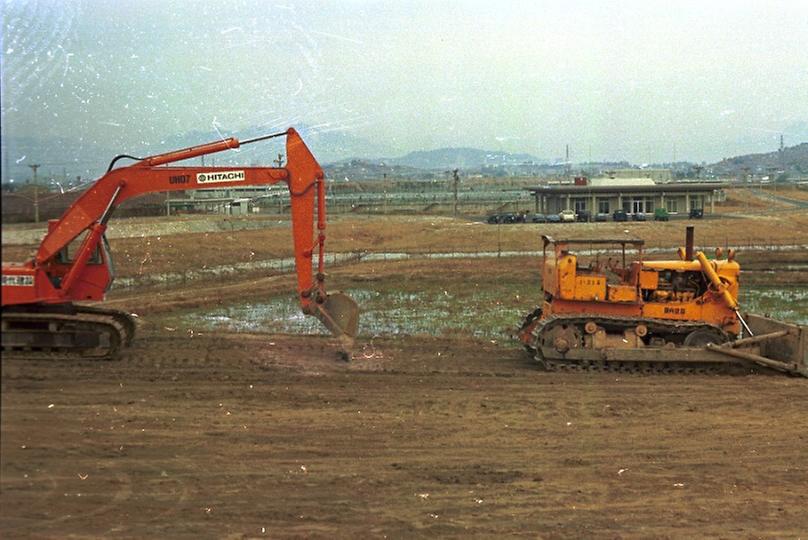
(566,216)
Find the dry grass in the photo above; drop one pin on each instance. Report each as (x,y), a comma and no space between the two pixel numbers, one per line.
(424,234)
(791,192)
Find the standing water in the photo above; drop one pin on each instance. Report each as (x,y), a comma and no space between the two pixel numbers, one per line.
(491,313)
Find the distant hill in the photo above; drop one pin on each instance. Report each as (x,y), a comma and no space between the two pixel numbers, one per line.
(326,145)
(462,158)
(57,157)
(342,154)
(362,169)
(60,157)
(792,160)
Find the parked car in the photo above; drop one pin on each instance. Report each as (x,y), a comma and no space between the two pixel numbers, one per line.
(566,216)
(583,216)
(620,215)
(661,214)
(696,213)
(553,218)
(638,216)
(601,217)
(495,219)
(538,218)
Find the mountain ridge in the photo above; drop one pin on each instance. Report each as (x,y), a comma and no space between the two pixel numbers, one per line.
(61,156)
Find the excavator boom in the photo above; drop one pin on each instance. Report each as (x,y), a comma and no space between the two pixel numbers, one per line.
(38,297)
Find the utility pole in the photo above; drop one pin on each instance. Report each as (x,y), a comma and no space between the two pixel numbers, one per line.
(568,162)
(499,239)
(6,169)
(36,194)
(456,181)
(279,163)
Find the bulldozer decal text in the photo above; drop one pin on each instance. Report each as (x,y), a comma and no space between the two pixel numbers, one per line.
(588,281)
(223,176)
(675,310)
(18,281)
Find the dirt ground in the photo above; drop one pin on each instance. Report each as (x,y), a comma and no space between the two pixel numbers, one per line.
(251,435)
(241,435)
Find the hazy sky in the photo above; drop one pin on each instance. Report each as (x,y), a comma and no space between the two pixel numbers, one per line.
(630,80)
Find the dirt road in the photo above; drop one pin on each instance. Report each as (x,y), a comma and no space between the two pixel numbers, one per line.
(252,435)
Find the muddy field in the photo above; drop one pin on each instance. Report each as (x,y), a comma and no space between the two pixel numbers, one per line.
(262,435)
(202,433)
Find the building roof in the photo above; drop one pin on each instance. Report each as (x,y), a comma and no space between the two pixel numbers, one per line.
(693,187)
(608,181)
(593,241)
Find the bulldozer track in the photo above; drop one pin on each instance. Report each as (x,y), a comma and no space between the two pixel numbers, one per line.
(55,333)
(642,368)
(552,360)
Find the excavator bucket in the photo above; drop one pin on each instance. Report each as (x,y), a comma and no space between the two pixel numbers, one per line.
(340,314)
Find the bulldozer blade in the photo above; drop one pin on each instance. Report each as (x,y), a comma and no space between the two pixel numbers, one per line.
(340,314)
(790,349)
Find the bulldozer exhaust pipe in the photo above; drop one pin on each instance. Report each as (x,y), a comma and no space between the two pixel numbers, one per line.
(689,243)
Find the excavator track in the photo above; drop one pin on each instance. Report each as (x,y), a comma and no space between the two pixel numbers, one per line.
(65,332)
(580,358)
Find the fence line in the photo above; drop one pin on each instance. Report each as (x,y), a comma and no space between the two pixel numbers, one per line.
(287,265)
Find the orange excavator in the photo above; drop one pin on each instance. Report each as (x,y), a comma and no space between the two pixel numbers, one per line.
(41,315)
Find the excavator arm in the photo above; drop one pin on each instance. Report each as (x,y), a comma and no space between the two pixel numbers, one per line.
(51,279)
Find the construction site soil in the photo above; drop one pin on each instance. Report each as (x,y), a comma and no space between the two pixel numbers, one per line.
(197,433)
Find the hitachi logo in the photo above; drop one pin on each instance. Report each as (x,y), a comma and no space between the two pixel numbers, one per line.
(223,176)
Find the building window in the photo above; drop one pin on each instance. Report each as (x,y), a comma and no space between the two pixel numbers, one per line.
(580,205)
(696,201)
(672,205)
(603,206)
(640,205)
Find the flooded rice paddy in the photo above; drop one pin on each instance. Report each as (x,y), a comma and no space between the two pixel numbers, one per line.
(480,312)
(782,303)
(485,314)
